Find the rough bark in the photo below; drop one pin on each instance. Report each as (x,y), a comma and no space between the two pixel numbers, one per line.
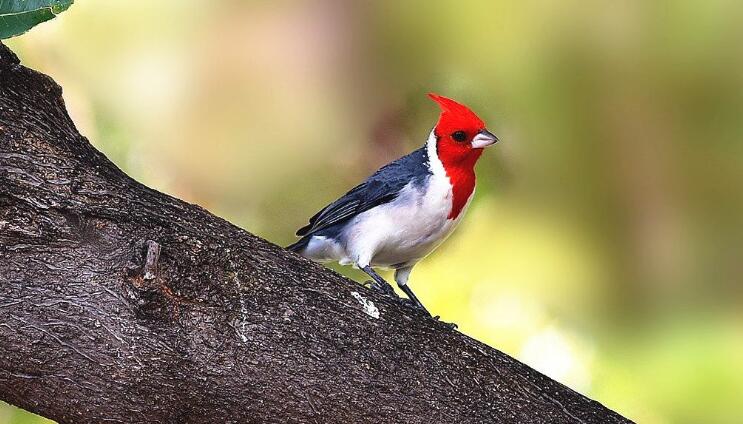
(122,304)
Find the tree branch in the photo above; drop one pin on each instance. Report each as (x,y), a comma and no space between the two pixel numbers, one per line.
(122,304)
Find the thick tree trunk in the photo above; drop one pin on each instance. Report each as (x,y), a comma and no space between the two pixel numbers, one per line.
(122,304)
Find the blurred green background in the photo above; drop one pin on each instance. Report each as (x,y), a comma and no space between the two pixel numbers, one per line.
(604,246)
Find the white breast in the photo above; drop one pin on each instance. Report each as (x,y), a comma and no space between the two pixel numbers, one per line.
(407,229)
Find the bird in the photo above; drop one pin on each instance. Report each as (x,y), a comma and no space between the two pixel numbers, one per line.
(407,208)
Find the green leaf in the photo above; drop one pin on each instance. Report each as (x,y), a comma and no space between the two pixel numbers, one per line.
(18,16)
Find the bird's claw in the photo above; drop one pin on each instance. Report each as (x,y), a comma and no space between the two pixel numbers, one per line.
(409,303)
(387,290)
(451,325)
(420,308)
(384,289)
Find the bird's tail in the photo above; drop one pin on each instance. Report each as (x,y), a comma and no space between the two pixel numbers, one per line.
(300,245)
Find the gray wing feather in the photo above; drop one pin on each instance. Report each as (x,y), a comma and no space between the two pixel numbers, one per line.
(382,187)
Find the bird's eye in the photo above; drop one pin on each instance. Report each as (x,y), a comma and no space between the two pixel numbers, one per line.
(459,136)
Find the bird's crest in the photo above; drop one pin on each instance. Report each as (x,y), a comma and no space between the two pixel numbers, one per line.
(455,116)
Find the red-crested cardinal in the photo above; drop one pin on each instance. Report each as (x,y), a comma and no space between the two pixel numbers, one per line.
(407,208)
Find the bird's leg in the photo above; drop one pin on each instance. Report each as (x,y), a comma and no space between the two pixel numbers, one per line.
(401,277)
(379,284)
(417,303)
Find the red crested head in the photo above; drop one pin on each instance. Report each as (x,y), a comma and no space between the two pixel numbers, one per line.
(455,117)
(460,134)
(460,137)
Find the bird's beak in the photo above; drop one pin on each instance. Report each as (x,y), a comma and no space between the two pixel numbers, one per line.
(483,139)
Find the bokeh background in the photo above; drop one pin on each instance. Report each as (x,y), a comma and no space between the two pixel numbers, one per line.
(605,243)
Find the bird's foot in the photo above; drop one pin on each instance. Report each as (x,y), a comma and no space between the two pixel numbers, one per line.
(384,289)
(409,303)
(451,325)
(420,308)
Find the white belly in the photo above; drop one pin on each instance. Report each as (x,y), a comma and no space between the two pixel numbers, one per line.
(395,234)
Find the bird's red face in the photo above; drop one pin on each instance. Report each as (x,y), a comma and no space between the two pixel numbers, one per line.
(460,138)
(461,135)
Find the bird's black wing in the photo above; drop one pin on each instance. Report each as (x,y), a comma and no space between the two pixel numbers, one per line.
(382,187)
